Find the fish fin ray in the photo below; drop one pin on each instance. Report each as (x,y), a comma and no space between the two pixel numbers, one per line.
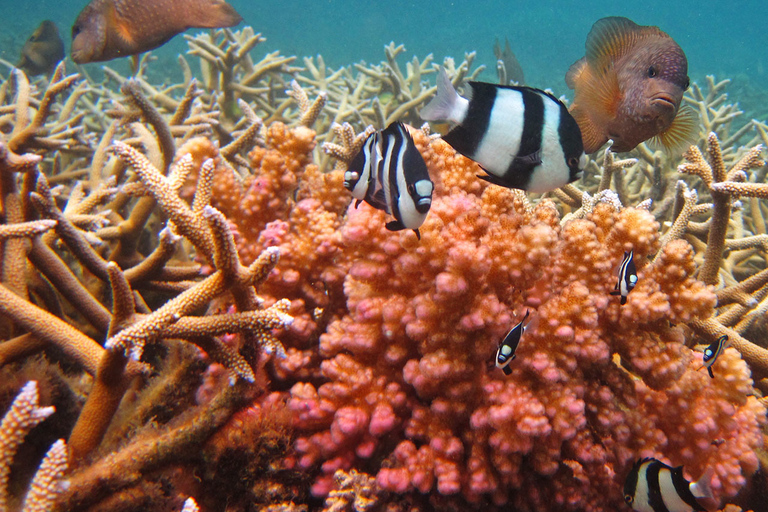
(613,37)
(215,14)
(683,132)
(495,180)
(573,76)
(591,135)
(702,488)
(395,225)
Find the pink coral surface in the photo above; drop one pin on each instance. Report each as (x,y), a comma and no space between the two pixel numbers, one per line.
(402,383)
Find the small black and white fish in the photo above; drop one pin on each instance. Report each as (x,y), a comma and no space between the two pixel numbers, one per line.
(627,277)
(713,351)
(652,486)
(389,174)
(522,137)
(506,351)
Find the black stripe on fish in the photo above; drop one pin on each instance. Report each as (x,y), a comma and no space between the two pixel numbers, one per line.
(570,139)
(467,137)
(655,499)
(529,154)
(683,488)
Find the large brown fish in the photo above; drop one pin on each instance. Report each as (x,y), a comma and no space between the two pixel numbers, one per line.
(629,87)
(43,50)
(107,29)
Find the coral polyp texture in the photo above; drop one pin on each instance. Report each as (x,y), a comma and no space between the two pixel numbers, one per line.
(185,281)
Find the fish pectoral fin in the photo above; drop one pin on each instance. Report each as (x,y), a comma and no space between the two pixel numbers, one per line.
(394,225)
(531,160)
(615,292)
(574,74)
(592,136)
(679,135)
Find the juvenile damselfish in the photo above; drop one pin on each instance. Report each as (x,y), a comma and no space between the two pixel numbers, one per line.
(522,137)
(389,174)
(108,29)
(628,87)
(43,50)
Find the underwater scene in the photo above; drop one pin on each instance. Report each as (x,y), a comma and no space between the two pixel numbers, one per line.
(383,256)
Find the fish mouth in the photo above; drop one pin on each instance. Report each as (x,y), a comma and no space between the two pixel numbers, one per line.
(663,100)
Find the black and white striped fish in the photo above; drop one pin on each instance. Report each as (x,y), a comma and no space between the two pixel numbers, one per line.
(389,174)
(508,346)
(652,486)
(713,351)
(522,137)
(627,277)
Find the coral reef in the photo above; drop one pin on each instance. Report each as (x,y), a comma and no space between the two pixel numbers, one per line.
(185,281)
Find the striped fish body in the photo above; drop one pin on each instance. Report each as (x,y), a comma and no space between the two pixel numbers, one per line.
(627,277)
(652,486)
(713,351)
(505,354)
(389,174)
(522,137)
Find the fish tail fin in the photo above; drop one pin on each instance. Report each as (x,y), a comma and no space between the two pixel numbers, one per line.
(702,488)
(443,105)
(216,14)
(683,132)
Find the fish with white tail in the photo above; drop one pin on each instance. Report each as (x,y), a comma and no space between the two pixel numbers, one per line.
(522,137)
(652,486)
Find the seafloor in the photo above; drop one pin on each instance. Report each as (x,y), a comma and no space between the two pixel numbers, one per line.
(191,303)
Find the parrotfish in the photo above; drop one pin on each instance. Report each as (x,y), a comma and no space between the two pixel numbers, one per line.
(652,486)
(43,50)
(522,137)
(389,174)
(108,29)
(629,87)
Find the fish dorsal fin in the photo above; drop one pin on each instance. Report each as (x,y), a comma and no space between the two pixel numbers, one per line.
(679,135)
(613,37)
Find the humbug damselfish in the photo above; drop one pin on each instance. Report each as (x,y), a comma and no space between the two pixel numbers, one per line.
(389,174)
(522,137)
(652,486)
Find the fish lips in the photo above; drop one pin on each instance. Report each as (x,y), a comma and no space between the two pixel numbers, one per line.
(664,101)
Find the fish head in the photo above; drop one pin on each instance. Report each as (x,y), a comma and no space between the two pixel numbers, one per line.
(421,194)
(89,35)
(655,78)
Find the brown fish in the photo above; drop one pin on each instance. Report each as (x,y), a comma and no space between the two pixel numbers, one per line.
(108,29)
(43,50)
(507,66)
(629,87)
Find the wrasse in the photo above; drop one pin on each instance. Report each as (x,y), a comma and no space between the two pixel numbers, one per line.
(389,174)
(522,137)
(627,277)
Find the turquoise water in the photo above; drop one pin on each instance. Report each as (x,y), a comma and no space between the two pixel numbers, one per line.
(546,36)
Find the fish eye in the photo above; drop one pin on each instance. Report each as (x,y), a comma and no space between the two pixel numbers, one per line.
(687,83)
(628,499)
(76,30)
(652,72)
(573,162)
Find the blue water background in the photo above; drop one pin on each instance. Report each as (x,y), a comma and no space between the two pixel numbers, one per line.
(547,37)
